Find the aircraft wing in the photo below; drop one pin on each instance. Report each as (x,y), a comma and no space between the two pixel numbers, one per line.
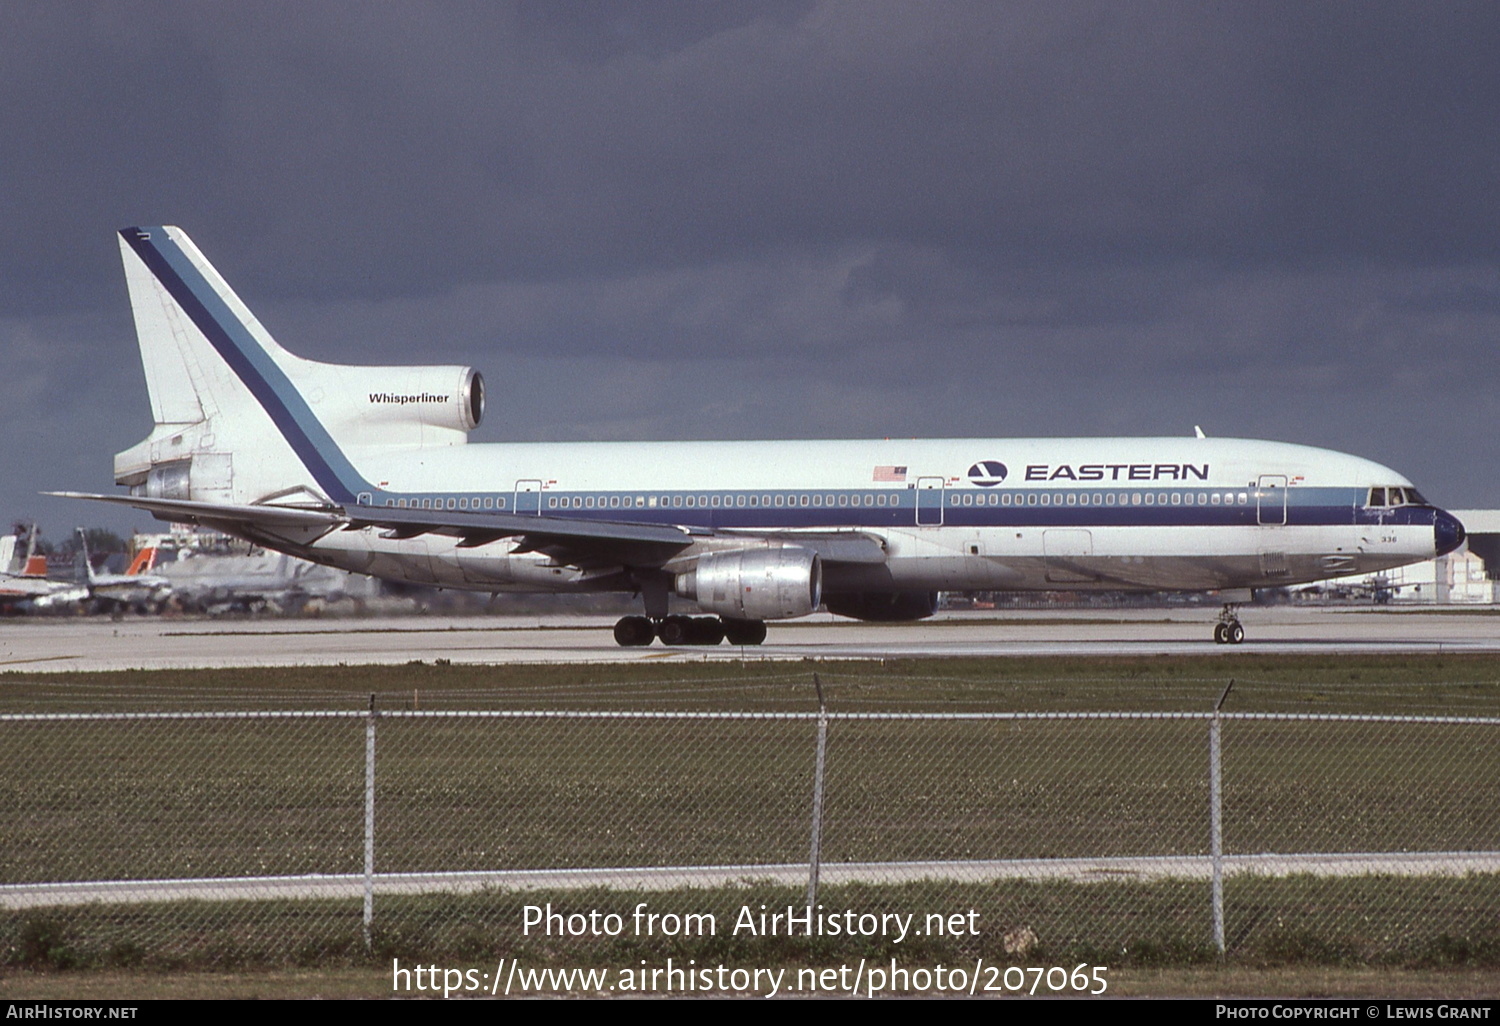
(587,544)
(583,543)
(185,511)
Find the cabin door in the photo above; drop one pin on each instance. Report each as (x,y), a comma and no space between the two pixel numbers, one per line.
(930,498)
(529,497)
(1270,499)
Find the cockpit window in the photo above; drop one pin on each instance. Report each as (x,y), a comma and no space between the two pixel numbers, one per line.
(1395,497)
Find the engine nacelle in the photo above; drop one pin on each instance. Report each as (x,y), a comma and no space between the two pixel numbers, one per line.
(392,405)
(884,606)
(755,584)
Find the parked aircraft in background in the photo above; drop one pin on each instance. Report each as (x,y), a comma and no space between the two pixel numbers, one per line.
(253,582)
(368,469)
(24,581)
(136,588)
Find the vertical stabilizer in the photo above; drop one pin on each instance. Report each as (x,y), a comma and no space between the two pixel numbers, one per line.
(229,424)
(238,419)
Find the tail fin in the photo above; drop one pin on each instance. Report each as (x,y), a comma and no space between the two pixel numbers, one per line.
(143,563)
(238,418)
(36,565)
(88,559)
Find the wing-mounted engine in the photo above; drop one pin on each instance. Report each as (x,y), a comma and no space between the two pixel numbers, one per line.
(755,584)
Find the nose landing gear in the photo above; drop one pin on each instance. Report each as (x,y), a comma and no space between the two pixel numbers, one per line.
(1228,630)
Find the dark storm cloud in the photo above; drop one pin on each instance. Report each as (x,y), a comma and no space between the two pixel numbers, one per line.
(738,219)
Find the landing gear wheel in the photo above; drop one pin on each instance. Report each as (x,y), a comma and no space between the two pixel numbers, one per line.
(744,632)
(677,630)
(634,631)
(707,630)
(1228,630)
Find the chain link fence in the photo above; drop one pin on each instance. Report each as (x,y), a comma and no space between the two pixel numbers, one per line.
(280,837)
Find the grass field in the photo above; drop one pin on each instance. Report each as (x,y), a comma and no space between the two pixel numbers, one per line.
(159,799)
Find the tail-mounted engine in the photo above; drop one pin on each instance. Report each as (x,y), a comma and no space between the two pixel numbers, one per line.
(393,405)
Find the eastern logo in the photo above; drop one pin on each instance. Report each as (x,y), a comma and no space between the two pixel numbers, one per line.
(987,473)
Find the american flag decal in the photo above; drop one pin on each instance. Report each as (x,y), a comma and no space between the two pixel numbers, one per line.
(890,474)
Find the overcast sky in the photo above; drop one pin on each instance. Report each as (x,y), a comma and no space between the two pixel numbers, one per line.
(782,219)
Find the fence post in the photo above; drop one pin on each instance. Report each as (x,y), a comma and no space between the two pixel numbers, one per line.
(369,915)
(815,856)
(1216,819)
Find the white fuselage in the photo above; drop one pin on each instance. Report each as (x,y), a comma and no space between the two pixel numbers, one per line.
(1153,513)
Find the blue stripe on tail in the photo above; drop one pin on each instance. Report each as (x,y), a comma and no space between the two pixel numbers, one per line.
(255,368)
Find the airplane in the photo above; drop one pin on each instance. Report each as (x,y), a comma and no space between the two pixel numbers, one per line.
(137,586)
(250,583)
(368,468)
(24,583)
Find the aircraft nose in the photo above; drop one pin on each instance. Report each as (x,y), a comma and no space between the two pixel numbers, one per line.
(1447,533)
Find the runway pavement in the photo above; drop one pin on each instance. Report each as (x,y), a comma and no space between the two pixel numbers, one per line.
(39,644)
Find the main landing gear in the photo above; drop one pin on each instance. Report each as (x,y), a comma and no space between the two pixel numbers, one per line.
(633,631)
(1228,630)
